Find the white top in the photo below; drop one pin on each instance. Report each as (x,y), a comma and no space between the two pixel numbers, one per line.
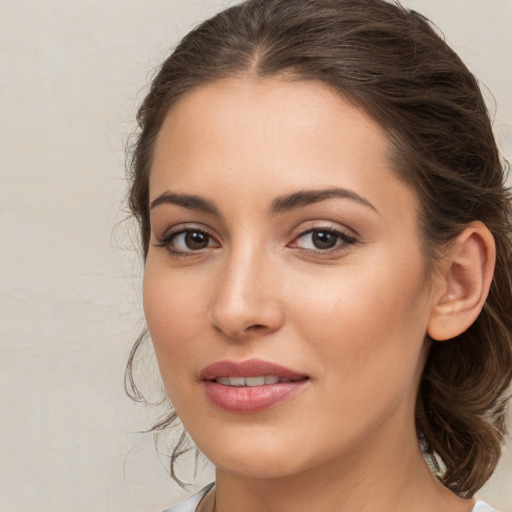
(481,506)
(191,504)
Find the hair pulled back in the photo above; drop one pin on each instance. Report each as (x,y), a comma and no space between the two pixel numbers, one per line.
(391,62)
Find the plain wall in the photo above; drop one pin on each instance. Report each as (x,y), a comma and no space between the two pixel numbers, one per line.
(71,75)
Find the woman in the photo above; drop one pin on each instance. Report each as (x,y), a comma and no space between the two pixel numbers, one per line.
(322,209)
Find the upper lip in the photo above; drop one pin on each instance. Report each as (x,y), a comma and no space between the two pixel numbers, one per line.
(248,368)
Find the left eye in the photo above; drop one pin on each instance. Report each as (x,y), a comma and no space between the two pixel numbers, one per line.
(322,240)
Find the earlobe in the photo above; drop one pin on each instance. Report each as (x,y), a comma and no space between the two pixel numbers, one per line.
(464,283)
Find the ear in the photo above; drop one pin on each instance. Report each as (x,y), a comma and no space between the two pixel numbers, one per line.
(464,283)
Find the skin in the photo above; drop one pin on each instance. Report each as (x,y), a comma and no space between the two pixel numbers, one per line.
(353,318)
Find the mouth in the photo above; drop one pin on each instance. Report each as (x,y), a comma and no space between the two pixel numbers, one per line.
(252,381)
(252,372)
(250,386)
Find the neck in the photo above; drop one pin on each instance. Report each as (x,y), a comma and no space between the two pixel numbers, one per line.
(393,479)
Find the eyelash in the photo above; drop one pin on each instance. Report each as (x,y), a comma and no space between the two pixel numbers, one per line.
(344,242)
(167,239)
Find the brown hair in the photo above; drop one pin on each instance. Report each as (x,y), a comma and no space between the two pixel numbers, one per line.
(391,62)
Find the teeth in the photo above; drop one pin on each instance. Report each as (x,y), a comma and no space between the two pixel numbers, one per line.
(250,381)
(254,381)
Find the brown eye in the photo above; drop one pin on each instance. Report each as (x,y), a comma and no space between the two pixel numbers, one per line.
(324,239)
(188,241)
(195,240)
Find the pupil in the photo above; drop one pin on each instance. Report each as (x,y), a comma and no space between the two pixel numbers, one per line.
(324,239)
(195,240)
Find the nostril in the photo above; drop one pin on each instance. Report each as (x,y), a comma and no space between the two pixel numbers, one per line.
(244,315)
(256,327)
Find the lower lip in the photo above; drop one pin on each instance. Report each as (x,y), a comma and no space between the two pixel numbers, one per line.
(247,399)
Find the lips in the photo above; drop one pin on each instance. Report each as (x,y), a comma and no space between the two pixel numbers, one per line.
(250,386)
(251,381)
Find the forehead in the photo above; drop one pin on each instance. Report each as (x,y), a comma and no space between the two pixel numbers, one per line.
(257,107)
(272,135)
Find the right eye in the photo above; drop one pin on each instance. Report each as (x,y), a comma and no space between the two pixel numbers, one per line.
(187,241)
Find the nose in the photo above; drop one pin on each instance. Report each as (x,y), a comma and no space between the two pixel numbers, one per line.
(246,302)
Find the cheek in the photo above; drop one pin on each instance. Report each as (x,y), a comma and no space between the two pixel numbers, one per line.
(175,316)
(368,325)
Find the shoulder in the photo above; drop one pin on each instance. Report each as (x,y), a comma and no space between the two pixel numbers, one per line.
(191,503)
(481,506)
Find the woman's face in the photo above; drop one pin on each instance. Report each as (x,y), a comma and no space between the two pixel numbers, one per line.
(284,251)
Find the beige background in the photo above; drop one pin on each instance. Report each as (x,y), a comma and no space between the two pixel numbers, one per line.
(71,74)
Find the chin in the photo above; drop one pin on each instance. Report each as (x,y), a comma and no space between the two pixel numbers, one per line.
(256,459)
(257,467)
(265,457)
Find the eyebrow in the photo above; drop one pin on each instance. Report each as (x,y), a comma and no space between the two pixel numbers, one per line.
(191,202)
(280,205)
(305,197)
